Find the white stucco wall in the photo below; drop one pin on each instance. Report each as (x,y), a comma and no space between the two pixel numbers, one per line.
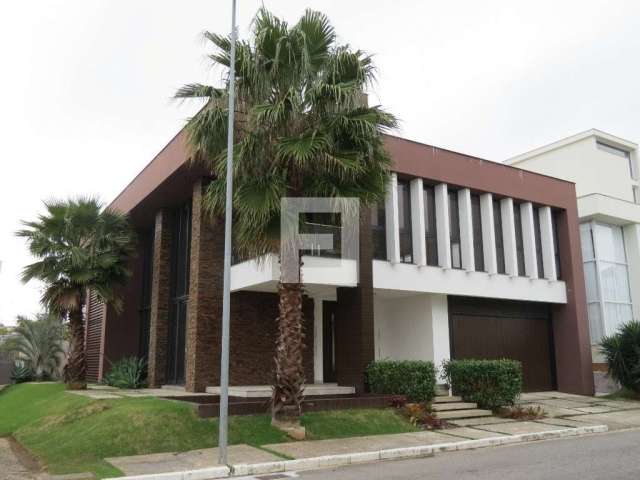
(591,169)
(412,328)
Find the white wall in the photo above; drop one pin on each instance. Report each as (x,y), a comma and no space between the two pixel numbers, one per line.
(412,328)
(591,169)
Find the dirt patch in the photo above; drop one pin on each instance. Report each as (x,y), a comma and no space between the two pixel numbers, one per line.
(24,456)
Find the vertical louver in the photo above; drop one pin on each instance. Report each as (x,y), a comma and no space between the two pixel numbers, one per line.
(95,317)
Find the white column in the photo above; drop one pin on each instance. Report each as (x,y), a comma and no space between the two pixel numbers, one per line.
(392,220)
(440,329)
(318,356)
(529,240)
(509,237)
(546,238)
(466,230)
(488,233)
(442,225)
(417,222)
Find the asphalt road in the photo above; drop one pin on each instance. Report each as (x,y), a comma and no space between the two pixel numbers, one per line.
(610,456)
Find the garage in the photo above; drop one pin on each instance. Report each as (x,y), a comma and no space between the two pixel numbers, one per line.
(493,329)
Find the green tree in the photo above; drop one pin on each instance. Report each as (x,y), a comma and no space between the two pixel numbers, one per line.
(303,129)
(39,342)
(79,246)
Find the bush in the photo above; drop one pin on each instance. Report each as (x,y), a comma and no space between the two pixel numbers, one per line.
(21,373)
(127,373)
(414,379)
(489,383)
(622,351)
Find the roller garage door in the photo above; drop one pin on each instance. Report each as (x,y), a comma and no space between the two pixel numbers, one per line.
(489,329)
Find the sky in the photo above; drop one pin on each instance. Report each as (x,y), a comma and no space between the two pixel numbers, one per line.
(87,85)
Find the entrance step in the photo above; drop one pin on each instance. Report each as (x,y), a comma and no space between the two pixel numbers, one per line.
(442,390)
(458,414)
(446,399)
(443,407)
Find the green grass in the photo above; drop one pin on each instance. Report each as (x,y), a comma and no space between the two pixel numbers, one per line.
(623,394)
(354,423)
(70,433)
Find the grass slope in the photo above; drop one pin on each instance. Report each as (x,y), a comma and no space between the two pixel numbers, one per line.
(70,433)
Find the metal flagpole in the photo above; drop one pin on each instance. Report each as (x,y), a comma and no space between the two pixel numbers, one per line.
(226,296)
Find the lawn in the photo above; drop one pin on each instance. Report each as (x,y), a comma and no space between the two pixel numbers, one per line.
(70,433)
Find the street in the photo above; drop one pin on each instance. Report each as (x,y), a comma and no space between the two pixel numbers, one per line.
(611,456)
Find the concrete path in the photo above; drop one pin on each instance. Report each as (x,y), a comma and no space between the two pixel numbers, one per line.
(192,460)
(10,467)
(596,457)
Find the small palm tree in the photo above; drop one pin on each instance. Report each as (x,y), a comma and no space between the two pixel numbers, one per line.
(39,343)
(303,130)
(79,246)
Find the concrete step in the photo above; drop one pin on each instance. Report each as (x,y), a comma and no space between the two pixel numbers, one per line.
(443,407)
(446,399)
(442,390)
(457,414)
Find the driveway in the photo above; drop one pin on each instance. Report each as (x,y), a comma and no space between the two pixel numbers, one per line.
(612,455)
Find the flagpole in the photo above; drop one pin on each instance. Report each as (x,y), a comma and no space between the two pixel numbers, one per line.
(226,295)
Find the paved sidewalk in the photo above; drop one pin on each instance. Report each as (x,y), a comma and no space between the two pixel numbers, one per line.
(10,467)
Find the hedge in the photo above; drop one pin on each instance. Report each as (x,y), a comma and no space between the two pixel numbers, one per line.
(489,383)
(414,379)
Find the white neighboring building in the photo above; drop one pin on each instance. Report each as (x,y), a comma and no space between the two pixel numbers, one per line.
(605,171)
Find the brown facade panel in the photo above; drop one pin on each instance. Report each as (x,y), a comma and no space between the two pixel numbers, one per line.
(354,328)
(160,291)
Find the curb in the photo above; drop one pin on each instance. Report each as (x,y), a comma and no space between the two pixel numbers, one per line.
(330,461)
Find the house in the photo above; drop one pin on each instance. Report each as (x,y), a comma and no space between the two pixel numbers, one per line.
(605,171)
(466,258)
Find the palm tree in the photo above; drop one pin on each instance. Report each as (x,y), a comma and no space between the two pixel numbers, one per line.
(303,130)
(39,343)
(79,246)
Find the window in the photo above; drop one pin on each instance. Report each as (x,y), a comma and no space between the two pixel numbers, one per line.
(322,223)
(476,221)
(636,194)
(606,278)
(404,222)
(517,220)
(454,230)
(431,232)
(538,239)
(497,227)
(620,153)
(379,233)
(556,243)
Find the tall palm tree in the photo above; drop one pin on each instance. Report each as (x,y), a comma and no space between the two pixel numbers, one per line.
(79,246)
(39,342)
(303,129)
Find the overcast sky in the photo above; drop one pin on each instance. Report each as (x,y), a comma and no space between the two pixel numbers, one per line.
(86,85)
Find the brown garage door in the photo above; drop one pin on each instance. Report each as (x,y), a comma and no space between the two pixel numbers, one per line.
(489,329)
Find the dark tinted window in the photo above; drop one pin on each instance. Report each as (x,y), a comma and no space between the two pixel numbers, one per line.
(431,232)
(497,226)
(379,232)
(536,231)
(519,242)
(404,222)
(476,219)
(555,243)
(454,230)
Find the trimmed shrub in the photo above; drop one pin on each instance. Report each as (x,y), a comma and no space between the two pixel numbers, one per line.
(127,373)
(414,379)
(622,351)
(489,383)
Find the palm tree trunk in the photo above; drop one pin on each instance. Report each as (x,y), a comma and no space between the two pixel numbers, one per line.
(289,381)
(76,368)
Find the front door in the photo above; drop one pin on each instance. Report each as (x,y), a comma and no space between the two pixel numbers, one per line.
(328,341)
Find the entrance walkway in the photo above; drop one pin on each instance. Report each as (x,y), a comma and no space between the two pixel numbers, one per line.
(11,469)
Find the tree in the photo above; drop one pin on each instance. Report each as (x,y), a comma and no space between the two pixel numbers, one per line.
(303,129)
(39,342)
(79,246)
